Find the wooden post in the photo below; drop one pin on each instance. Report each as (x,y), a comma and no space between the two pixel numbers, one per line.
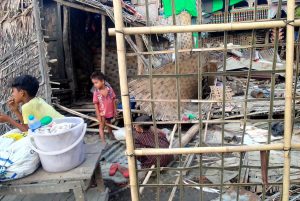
(67,48)
(59,36)
(42,53)
(140,46)
(212,67)
(103,42)
(125,100)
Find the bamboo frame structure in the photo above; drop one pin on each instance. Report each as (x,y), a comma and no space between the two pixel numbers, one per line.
(125,100)
(120,31)
(237,26)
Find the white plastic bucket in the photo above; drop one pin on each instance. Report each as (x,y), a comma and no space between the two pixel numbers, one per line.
(59,141)
(65,159)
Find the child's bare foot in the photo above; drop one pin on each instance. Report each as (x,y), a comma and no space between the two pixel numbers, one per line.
(112,137)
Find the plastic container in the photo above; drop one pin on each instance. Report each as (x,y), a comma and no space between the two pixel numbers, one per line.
(46,120)
(59,141)
(63,160)
(33,123)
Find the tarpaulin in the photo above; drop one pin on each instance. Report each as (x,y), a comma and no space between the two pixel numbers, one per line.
(180,5)
(212,6)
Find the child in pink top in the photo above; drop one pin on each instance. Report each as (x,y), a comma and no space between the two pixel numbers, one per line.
(104,99)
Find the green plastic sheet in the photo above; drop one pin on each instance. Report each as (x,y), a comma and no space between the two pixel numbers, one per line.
(219,4)
(180,5)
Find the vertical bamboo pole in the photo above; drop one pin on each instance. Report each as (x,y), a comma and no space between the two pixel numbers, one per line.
(103,42)
(42,51)
(125,99)
(288,97)
(140,46)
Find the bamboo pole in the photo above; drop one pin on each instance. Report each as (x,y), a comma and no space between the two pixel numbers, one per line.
(125,100)
(172,135)
(140,46)
(84,116)
(288,120)
(103,42)
(204,27)
(205,49)
(146,179)
(202,150)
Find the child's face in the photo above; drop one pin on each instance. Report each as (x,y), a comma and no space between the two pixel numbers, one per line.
(138,128)
(17,95)
(98,84)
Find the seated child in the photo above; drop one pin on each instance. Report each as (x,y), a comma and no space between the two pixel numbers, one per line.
(104,99)
(145,138)
(24,90)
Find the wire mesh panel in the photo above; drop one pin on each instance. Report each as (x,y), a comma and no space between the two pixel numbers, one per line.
(231,109)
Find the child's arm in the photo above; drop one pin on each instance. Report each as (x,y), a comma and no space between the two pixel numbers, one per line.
(115,107)
(13,106)
(97,112)
(7,119)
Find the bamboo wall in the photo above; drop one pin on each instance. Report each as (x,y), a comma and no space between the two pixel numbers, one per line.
(19,51)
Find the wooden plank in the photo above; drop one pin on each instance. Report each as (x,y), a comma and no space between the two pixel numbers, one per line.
(59,36)
(12,198)
(84,171)
(95,195)
(91,195)
(103,42)
(68,50)
(80,7)
(41,188)
(79,194)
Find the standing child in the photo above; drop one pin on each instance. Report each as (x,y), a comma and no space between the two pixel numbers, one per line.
(104,99)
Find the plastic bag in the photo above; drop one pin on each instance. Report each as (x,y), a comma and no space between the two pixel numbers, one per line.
(17,160)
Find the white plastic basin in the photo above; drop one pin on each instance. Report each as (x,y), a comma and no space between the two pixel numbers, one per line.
(59,141)
(63,160)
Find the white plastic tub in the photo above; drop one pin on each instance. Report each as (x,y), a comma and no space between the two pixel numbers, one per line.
(59,141)
(65,159)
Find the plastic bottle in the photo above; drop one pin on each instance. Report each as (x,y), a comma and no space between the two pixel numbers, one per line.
(33,123)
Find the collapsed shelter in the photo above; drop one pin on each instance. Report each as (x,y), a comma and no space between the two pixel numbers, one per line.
(229,75)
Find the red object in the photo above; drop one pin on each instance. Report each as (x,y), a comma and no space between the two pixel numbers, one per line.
(124,171)
(113,169)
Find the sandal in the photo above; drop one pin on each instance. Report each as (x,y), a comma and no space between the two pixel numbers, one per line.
(113,169)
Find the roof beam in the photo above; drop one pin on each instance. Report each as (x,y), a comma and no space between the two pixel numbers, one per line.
(80,7)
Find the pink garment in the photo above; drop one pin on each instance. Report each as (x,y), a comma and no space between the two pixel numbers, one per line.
(106,104)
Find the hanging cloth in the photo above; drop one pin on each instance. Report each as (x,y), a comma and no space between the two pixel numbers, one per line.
(180,6)
(219,4)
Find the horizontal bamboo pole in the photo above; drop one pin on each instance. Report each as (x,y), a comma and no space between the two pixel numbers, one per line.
(210,101)
(204,27)
(215,121)
(208,49)
(213,185)
(218,73)
(202,150)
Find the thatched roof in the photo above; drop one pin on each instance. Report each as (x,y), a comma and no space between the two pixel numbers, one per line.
(18,46)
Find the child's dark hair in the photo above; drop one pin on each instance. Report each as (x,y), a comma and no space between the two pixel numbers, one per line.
(27,83)
(97,75)
(144,118)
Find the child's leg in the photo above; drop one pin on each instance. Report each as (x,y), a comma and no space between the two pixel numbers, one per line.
(101,129)
(109,129)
